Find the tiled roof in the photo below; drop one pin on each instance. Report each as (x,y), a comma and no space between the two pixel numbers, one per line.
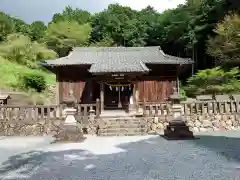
(117,59)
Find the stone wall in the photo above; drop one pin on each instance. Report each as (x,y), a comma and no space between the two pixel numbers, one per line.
(213,122)
(26,128)
(39,128)
(198,123)
(199,116)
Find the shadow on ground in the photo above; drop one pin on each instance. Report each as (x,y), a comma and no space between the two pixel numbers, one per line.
(229,147)
(209,158)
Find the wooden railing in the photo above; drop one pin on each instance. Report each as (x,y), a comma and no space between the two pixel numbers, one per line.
(84,110)
(32,112)
(211,107)
(155,109)
(51,112)
(191,108)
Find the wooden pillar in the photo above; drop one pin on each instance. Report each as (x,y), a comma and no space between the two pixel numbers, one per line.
(102,96)
(136,94)
(132,101)
(57,89)
(91,91)
(178,85)
(177,80)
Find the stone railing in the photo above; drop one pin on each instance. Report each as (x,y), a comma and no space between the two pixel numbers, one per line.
(41,119)
(212,115)
(154,109)
(199,115)
(31,112)
(211,107)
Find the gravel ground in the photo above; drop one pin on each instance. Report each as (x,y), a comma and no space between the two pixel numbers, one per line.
(214,156)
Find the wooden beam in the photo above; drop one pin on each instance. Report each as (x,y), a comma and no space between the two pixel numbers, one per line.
(57,89)
(136,94)
(102,96)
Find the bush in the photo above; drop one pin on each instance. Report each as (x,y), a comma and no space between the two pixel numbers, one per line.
(33,81)
(214,81)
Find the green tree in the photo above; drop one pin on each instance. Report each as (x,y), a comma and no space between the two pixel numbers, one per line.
(63,36)
(70,14)
(150,19)
(214,81)
(120,23)
(19,48)
(6,25)
(225,46)
(105,42)
(37,30)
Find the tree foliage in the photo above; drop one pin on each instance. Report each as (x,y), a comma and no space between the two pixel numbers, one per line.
(120,23)
(70,14)
(33,81)
(214,81)
(6,26)
(64,35)
(19,48)
(195,29)
(37,30)
(225,46)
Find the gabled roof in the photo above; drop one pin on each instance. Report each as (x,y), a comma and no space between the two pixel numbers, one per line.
(117,59)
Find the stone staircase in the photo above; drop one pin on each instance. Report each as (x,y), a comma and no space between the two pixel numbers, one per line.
(122,126)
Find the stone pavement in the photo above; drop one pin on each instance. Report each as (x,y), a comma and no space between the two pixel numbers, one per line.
(212,156)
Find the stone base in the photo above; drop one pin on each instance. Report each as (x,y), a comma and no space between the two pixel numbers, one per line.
(178,130)
(70,133)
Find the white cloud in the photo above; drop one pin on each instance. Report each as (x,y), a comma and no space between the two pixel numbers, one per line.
(159,5)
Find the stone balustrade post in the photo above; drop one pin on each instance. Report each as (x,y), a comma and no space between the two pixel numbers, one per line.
(92,114)
(70,116)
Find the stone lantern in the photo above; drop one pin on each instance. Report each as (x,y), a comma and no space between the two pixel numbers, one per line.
(71,130)
(177,128)
(176,106)
(175,97)
(70,110)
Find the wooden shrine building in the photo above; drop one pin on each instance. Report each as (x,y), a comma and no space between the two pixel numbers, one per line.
(119,76)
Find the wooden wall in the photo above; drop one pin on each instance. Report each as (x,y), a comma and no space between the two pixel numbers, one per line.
(77,80)
(156,90)
(157,86)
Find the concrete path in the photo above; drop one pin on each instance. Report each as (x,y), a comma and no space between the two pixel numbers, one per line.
(212,156)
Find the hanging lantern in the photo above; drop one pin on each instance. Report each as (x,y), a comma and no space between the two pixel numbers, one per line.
(116,88)
(122,88)
(110,87)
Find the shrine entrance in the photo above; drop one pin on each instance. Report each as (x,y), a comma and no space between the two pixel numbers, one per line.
(117,95)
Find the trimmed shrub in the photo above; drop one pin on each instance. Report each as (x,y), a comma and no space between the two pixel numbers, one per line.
(33,81)
(214,81)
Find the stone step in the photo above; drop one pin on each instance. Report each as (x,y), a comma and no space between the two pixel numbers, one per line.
(114,126)
(125,123)
(122,130)
(120,119)
(124,126)
(124,134)
(124,120)
(117,116)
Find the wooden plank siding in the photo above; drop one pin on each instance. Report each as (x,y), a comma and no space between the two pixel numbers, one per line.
(77,87)
(156,86)
(75,79)
(156,90)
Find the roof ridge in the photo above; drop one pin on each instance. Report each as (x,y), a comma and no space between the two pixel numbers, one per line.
(88,49)
(145,68)
(173,57)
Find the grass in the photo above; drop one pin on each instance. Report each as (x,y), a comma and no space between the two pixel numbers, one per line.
(9,73)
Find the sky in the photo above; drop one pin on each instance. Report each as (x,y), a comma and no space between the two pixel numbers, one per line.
(31,10)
